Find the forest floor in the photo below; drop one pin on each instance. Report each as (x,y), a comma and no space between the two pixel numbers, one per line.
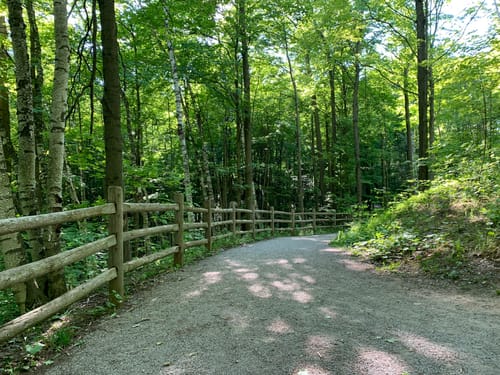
(292,305)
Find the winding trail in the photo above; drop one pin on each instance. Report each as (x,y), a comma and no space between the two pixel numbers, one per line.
(292,306)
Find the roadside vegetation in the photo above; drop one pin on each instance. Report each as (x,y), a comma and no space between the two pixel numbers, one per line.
(450,230)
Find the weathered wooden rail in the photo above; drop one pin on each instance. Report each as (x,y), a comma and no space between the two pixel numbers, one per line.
(213,223)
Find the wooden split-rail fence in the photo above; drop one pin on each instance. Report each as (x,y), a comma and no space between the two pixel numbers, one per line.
(215,223)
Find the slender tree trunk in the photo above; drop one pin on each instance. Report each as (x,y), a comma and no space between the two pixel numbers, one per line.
(57,284)
(355,124)
(319,149)
(26,172)
(133,118)
(37,79)
(409,131)
(10,244)
(5,136)
(111,98)
(37,246)
(422,81)
(181,129)
(317,145)
(432,114)
(486,116)
(246,108)
(139,141)
(333,118)
(433,15)
(128,120)
(225,183)
(345,79)
(93,71)
(298,137)
(127,251)
(26,132)
(204,149)
(5,131)
(69,177)
(238,119)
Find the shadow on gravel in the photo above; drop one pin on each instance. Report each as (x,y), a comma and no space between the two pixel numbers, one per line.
(293,306)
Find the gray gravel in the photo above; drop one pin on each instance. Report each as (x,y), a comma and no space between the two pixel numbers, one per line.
(292,306)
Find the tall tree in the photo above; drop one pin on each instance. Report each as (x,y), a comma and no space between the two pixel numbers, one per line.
(355,122)
(37,80)
(298,136)
(9,152)
(246,105)
(112,93)
(206,177)
(26,132)
(10,244)
(26,167)
(332,154)
(57,285)
(423,83)
(181,128)
(409,130)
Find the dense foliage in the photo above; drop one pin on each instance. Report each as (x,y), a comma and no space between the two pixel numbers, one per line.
(446,229)
(319,37)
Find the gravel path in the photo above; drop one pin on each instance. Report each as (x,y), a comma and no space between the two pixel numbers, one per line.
(292,306)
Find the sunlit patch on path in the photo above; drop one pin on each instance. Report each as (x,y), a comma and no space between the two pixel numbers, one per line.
(376,362)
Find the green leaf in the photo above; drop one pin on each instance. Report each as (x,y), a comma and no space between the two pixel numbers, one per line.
(34,348)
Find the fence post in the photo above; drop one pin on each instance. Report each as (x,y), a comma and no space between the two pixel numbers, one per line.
(233,218)
(253,223)
(293,221)
(208,219)
(314,221)
(115,257)
(179,219)
(272,221)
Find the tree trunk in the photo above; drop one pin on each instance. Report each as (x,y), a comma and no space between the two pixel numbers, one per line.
(355,124)
(432,114)
(10,244)
(138,114)
(422,81)
(238,120)
(26,173)
(333,118)
(93,71)
(37,78)
(246,108)
(5,136)
(409,131)
(298,137)
(26,158)
(57,284)
(181,129)
(319,149)
(207,178)
(111,98)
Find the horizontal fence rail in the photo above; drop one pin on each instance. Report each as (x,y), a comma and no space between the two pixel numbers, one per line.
(208,224)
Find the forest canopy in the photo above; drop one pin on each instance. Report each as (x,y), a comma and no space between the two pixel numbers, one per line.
(313,67)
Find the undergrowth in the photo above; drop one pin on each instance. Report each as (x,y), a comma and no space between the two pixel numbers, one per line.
(446,231)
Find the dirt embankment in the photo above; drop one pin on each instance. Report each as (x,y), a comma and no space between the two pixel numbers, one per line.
(292,306)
